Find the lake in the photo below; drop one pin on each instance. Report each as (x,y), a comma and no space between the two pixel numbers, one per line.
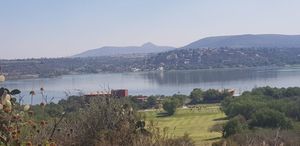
(158,83)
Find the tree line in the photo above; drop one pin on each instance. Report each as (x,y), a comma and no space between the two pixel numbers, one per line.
(264,115)
(171,103)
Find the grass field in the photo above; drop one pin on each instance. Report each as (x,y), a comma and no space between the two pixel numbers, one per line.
(195,122)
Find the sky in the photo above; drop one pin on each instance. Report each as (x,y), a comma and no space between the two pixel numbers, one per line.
(59,28)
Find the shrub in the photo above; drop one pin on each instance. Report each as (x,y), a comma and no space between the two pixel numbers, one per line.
(262,137)
(196,96)
(244,106)
(269,118)
(170,106)
(109,122)
(19,124)
(234,125)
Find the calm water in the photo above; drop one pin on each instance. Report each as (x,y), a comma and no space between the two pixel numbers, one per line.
(154,83)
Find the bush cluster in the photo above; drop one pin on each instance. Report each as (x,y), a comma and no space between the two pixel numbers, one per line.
(262,108)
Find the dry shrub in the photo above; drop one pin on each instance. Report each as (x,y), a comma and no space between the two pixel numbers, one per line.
(110,121)
(269,137)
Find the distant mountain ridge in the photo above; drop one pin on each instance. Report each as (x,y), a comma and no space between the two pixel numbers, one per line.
(247,41)
(114,51)
(230,41)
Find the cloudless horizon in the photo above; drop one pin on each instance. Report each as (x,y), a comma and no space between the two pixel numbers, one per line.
(60,28)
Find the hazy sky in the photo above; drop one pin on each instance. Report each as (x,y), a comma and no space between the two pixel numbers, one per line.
(53,28)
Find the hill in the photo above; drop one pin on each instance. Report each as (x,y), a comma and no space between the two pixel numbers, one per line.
(115,51)
(205,58)
(247,41)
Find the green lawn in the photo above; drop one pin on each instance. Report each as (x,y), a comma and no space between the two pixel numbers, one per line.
(194,122)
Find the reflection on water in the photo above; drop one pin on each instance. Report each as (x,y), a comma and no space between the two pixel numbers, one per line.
(167,83)
(202,76)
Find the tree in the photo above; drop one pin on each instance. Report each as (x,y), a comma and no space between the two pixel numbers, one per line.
(234,125)
(292,91)
(170,106)
(244,106)
(180,98)
(196,96)
(269,118)
(211,95)
(292,109)
(151,102)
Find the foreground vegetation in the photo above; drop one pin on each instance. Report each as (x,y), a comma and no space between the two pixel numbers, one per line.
(263,116)
(110,121)
(99,121)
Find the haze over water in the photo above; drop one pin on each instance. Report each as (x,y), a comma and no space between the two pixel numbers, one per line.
(158,83)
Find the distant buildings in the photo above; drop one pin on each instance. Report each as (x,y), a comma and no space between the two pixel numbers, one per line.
(161,68)
(135,69)
(141,98)
(100,94)
(112,93)
(119,93)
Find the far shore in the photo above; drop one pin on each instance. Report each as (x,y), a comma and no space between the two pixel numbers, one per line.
(37,76)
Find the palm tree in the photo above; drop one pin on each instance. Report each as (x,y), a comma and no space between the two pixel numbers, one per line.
(32,93)
(2,77)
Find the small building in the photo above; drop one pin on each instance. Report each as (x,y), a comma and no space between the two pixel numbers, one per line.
(142,98)
(161,68)
(96,94)
(119,93)
(231,91)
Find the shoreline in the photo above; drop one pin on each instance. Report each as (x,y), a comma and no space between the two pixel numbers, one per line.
(36,76)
